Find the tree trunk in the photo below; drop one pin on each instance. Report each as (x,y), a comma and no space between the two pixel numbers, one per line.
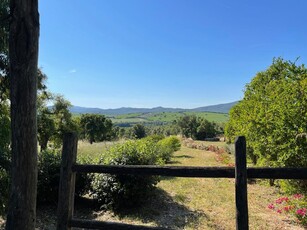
(23,56)
(44,144)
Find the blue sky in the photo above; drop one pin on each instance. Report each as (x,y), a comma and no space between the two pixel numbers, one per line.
(171,53)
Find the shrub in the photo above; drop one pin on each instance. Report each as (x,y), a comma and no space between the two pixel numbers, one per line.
(49,162)
(124,191)
(138,131)
(172,142)
(49,165)
(167,147)
(84,180)
(155,138)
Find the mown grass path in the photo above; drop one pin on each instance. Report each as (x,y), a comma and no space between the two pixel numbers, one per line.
(212,200)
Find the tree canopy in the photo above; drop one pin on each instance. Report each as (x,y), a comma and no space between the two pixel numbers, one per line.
(273,115)
(197,127)
(95,127)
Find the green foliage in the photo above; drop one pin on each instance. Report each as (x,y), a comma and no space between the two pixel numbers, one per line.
(45,126)
(62,118)
(53,122)
(49,165)
(188,125)
(197,127)
(138,131)
(96,127)
(168,146)
(205,129)
(84,180)
(154,138)
(273,116)
(124,191)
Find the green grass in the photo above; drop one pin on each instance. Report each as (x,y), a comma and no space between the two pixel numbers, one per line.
(167,117)
(163,117)
(93,151)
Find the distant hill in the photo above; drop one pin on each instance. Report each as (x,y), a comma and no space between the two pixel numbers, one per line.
(220,108)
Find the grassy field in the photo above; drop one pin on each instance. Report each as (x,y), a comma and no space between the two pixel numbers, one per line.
(167,117)
(93,151)
(163,117)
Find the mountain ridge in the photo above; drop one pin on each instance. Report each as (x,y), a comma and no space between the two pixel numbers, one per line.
(218,108)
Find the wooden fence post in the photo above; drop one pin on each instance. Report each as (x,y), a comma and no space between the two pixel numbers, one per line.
(67,182)
(241,184)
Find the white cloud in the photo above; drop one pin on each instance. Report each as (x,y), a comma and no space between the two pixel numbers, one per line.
(72,71)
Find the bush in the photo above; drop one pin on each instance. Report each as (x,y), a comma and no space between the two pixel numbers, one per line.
(124,191)
(49,166)
(84,180)
(154,138)
(168,146)
(49,163)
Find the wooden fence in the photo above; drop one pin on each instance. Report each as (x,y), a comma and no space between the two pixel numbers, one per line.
(240,172)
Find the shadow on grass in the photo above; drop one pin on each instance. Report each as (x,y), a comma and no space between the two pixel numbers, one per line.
(160,209)
(167,178)
(183,156)
(173,162)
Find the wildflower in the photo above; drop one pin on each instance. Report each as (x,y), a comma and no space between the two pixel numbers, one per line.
(281,200)
(271,206)
(279,211)
(288,208)
(298,196)
(301,212)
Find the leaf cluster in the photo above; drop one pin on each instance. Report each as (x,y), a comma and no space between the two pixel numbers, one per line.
(197,127)
(119,192)
(273,116)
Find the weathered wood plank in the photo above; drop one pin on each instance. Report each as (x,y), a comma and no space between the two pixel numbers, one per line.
(210,172)
(241,184)
(67,182)
(179,171)
(277,173)
(90,224)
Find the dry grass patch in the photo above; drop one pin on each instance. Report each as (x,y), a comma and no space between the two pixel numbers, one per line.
(95,150)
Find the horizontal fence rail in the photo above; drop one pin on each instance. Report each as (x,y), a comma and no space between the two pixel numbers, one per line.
(176,171)
(199,172)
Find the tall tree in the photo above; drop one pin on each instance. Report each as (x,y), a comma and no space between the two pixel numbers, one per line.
(273,115)
(138,131)
(96,127)
(196,127)
(23,57)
